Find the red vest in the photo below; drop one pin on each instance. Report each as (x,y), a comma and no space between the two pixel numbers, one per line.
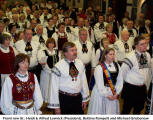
(7,62)
(111,37)
(23,91)
(61,40)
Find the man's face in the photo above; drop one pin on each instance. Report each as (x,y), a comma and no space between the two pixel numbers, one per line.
(130,24)
(83,36)
(28,35)
(125,36)
(80,22)
(40,30)
(71,54)
(101,19)
(142,46)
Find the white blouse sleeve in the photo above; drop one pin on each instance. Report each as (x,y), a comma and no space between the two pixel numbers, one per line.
(53,101)
(99,82)
(97,56)
(85,89)
(38,100)
(6,97)
(119,84)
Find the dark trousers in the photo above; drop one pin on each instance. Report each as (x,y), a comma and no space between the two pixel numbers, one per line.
(88,72)
(133,97)
(70,104)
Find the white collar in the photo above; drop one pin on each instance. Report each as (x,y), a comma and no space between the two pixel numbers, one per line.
(7,50)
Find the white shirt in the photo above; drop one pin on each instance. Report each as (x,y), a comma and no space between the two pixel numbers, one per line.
(132,73)
(61,80)
(37,37)
(120,50)
(88,57)
(98,32)
(20,47)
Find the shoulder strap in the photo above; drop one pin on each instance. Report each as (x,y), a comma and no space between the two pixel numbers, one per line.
(116,66)
(46,53)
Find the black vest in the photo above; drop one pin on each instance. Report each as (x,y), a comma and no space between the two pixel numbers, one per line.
(52,59)
(113,76)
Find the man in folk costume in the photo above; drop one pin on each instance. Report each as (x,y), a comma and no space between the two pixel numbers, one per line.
(40,37)
(69,91)
(136,73)
(122,46)
(86,53)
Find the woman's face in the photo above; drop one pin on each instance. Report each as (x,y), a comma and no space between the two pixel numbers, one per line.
(21,36)
(110,29)
(51,45)
(24,65)
(106,44)
(110,57)
(6,43)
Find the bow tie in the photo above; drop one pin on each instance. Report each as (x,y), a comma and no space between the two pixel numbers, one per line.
(68,29)
(73,72)
(28,47)
(143,59)
(101,26)
(84,48)
(41,40)
(126,46)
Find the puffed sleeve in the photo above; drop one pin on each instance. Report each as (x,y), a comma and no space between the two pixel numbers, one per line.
(55,36)
(119,84)
(99,80)
(53,101)
(85,89)
(6,98)
(97,56)
(38,100)
(41,56)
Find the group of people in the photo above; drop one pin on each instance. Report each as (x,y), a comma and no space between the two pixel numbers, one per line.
(56,56)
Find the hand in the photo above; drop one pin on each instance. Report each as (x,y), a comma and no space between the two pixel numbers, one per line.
(115,96)
(110,97)
(84,105)
(57,111)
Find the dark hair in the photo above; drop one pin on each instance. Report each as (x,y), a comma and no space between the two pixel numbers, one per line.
(138,39)
(50,40)
(67,45)
(11,25)
(18,59)
(60,24)
(3,37)
(106,51)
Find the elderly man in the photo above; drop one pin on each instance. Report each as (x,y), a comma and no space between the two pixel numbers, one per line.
(86,53)
(40,37)
(69,90)
(122,46)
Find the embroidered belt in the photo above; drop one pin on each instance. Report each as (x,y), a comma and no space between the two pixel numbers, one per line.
(68,94)
(17,104)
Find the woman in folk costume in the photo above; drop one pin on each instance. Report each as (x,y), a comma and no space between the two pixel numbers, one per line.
(104,44)
(109,34)
(47,57)
(21,94)
(60,36)
(104,97)
(7,57)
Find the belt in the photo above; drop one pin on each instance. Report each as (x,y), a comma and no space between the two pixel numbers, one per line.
(23,102)
(17,104)
(68,94)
